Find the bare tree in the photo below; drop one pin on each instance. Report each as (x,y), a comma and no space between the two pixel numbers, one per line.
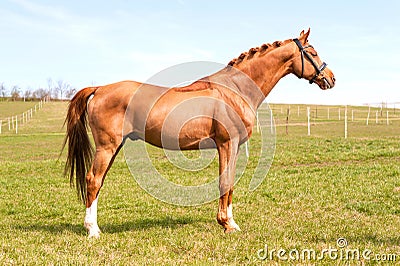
(15,93)
(70,92)
(40,93)
(49,85)
(28,94)
(62,87)
(35,94)
(3,90)
(53,93)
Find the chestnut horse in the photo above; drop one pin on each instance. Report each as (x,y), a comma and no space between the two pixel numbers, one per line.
(221,118)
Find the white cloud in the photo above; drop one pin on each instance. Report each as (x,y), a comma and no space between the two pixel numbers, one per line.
(58,21)
(43,10)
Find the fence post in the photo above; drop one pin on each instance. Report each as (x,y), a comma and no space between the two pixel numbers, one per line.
(328,113)
(345,122)
(352,115)
(16,124)
(1,123)
(376,117)
(247,148)
(339,113)
(9,124)
(271,121)
(308,122)
(287,120)
(258,123)
(387,117)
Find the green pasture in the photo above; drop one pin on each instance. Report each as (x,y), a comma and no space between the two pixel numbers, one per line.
(13,108)
(319,188)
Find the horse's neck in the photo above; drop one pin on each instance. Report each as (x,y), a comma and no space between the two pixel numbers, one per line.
(265,72)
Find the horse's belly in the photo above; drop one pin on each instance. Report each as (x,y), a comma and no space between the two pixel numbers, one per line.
(184,134)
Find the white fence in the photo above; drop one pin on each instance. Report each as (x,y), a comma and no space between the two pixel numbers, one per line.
(314,116)
(12,123)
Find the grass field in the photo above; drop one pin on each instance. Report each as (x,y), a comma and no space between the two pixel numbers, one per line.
(9,108)
(320,188)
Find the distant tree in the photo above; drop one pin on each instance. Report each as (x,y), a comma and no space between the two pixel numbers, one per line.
(62,87)
(15,93)
(70,93)
(35,94)
(28,93)
(49,84)
(53,93)
(3,90)
(40,93)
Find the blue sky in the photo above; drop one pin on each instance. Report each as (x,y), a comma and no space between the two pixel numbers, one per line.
(100,42)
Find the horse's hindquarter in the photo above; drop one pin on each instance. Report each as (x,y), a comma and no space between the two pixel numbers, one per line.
(106,110)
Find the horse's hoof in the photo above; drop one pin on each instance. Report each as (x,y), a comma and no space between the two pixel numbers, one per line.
(230,230)
(94,233)
(93,230)
(94,236)
(234,225)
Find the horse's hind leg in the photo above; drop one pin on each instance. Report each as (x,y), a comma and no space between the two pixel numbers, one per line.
(103,160)
(229,211)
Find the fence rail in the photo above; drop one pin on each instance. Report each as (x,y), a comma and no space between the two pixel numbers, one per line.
(313,116)
(12,123)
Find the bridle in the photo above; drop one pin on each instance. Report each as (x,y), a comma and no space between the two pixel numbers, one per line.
(317,68)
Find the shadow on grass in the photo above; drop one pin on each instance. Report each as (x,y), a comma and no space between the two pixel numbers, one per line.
(148,223)
(112,228)
(53,228)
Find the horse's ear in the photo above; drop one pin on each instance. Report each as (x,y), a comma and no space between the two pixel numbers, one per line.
(304,36)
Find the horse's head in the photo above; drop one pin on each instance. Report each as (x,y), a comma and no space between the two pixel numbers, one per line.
(308,65)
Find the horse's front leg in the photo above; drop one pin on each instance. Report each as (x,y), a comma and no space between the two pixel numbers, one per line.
(227,164)
(231,222)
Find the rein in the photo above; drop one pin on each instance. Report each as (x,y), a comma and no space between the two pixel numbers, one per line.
(303,52)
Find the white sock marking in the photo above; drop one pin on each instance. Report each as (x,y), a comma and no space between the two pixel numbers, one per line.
(91,220)
(231,222)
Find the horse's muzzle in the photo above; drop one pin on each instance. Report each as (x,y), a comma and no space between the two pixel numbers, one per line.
(326,80)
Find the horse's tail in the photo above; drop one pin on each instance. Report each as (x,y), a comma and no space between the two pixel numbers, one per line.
(80,151)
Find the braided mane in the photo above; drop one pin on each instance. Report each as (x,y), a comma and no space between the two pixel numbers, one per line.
(262,50)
